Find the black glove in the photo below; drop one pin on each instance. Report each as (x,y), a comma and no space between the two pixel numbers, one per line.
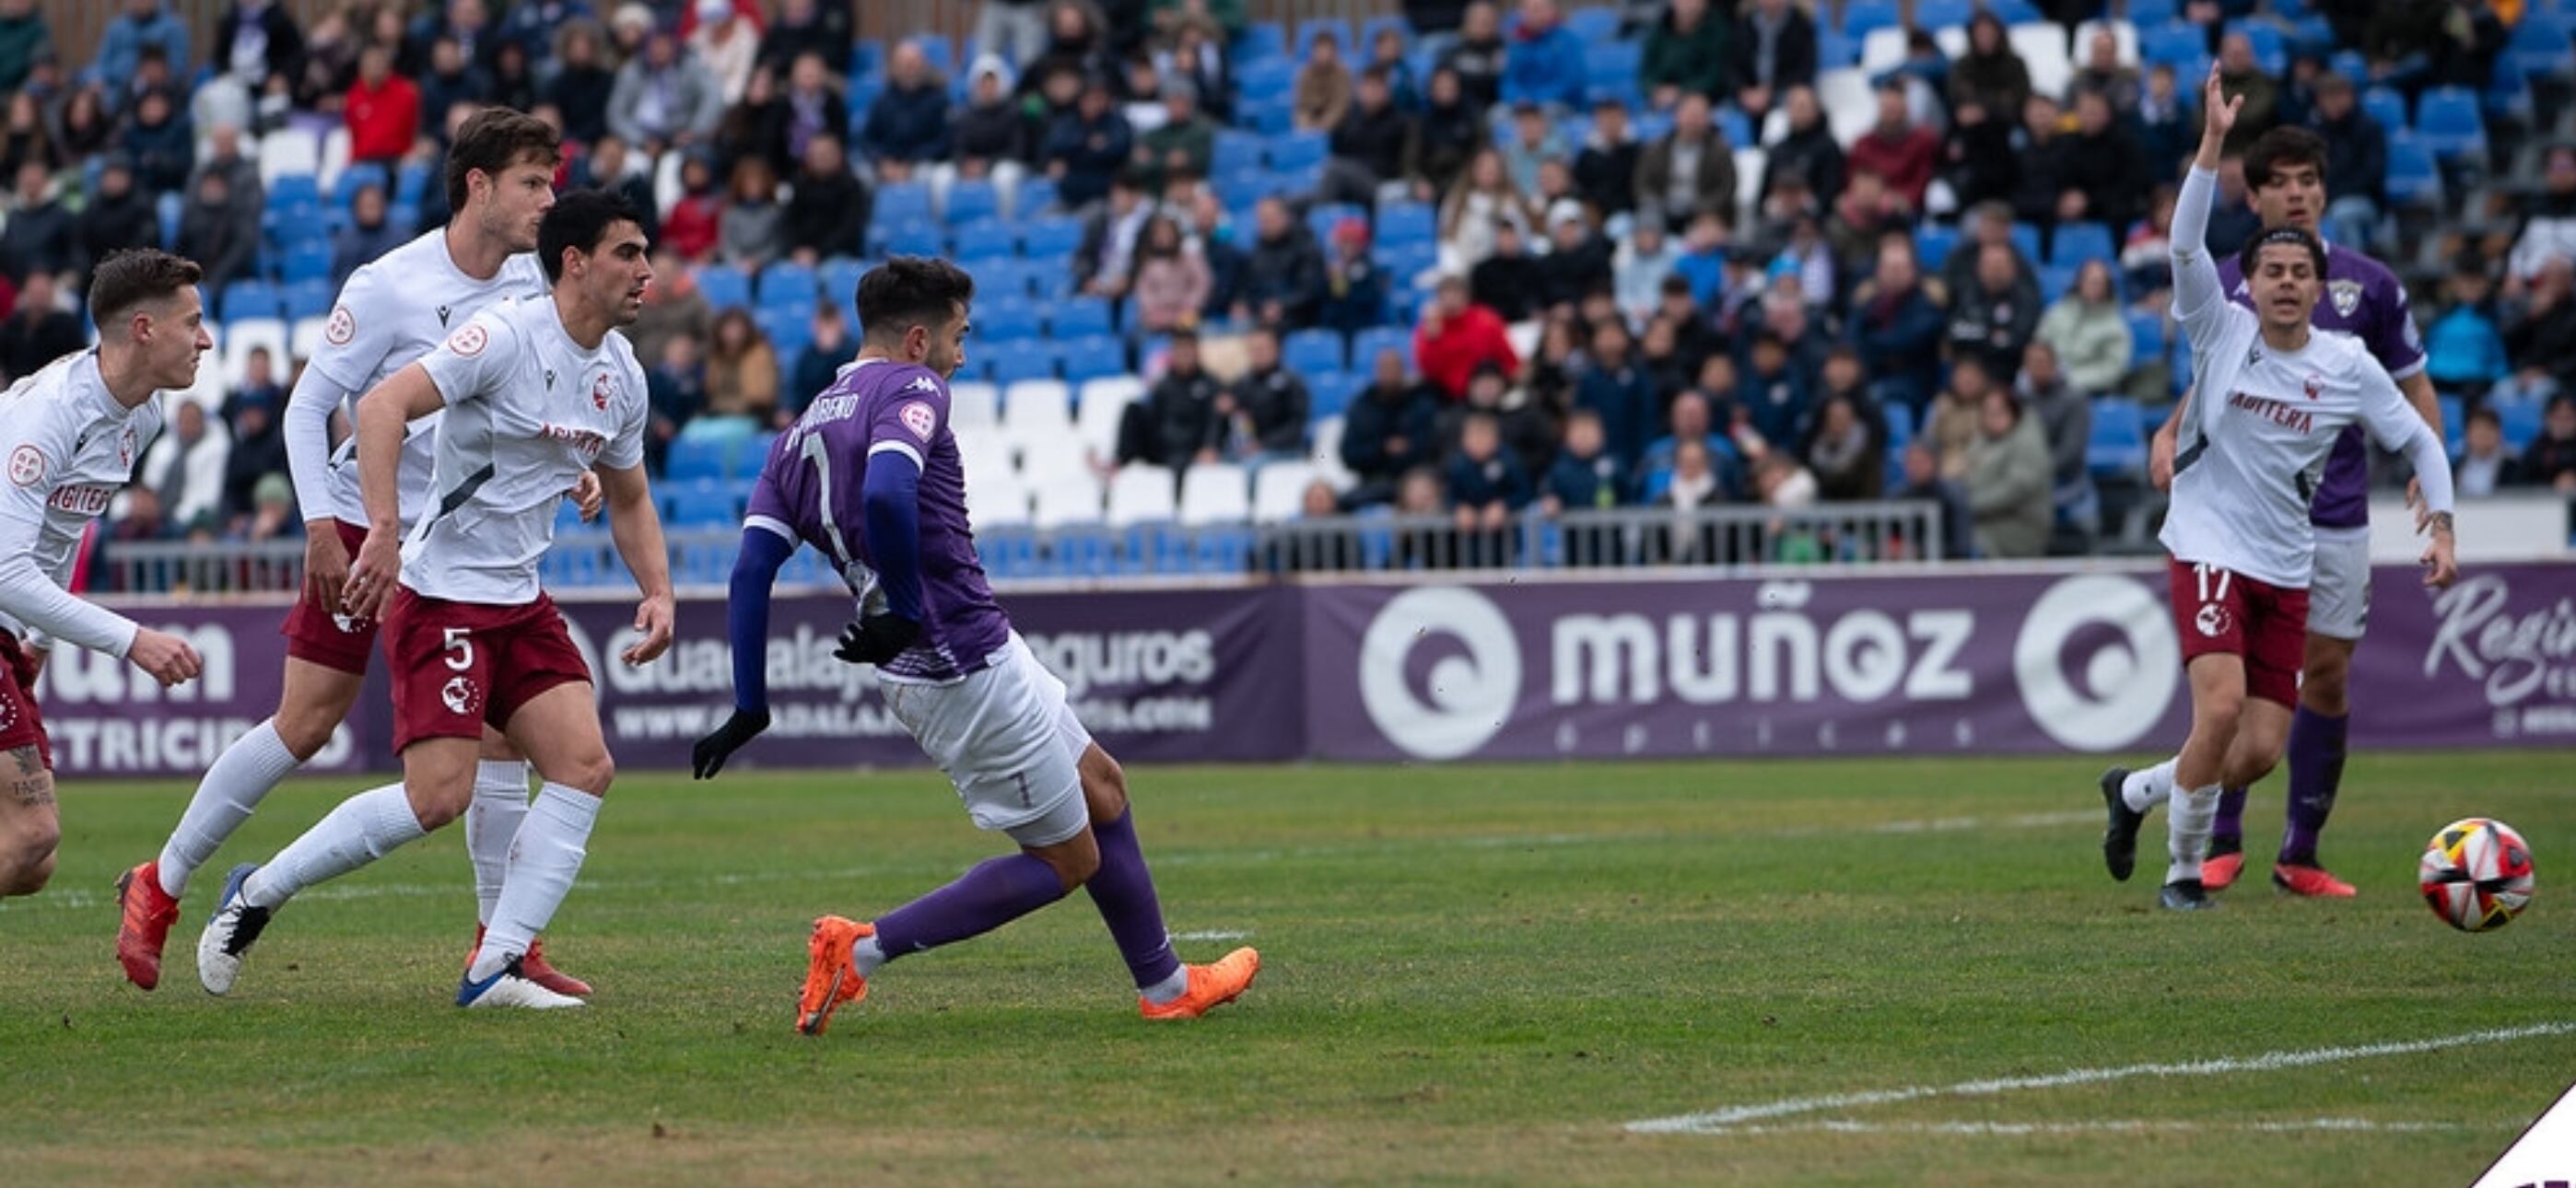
(708,757)
(877,639)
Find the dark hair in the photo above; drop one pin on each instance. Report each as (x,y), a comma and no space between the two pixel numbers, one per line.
(2279,149)
(2284,236)
(909,291)
(129,278)
(493,140)
(2486,414)
(579,221)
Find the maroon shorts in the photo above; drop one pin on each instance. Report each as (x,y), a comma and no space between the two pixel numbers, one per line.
(460,665)
(20,724)
(321,634)
(2221,612)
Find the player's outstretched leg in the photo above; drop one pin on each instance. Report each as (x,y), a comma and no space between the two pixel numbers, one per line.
(2316,772)
(2127,798)
(994,892)
(365,827)
(2226,841)
(1123,890)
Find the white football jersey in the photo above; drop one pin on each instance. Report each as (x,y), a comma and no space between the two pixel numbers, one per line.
(2248,458)
(393,311)
(70,449)
(528,410)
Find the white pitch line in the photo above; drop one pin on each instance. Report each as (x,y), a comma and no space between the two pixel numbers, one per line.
(2133,1126)
(1724,1121)
(1213,934)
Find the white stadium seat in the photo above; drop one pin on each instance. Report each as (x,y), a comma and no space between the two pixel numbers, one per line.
(1067,497)
(1327,453)
(1882,50)
(1851,107)
(2042,46)
(1750,165)
(996,498)
(1279,491)
(2081,48)
(1142,493)
(306,338)
(974,404)
(983,451)
(1096,416)
(1214,493)
(288,152)
(335,158)
(1953,41)
(242,334)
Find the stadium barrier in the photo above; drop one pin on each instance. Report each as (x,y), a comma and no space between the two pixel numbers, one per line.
(1803,661)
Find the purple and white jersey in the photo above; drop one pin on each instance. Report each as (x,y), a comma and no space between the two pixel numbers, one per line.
(2363,299)
(811,491)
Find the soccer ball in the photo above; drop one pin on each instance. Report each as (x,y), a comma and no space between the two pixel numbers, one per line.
(2476,874)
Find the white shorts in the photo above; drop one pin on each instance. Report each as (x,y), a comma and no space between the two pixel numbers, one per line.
(2339,591)
(1009,741)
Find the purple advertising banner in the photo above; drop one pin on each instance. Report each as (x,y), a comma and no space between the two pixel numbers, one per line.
(106,718)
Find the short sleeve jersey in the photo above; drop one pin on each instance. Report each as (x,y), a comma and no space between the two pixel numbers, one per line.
(811,491)
(2363,299)
(392,312)
(528,410)
(69,448)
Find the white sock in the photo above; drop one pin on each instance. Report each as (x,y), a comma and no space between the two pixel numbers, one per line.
(241,777)
(1169,988)
(365,827)
(867,955)
(2187,823)
(543,863)
(2148,787)
(491,823)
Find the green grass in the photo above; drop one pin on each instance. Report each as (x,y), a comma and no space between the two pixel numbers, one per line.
(1471,975)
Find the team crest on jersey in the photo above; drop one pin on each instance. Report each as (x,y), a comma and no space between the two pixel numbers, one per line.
(343,326)
(918,418)
(2213,620)
(599,390)
(27,466)
(460,696)
(469,340)
(125,449)
(2314,386)
(2346,294)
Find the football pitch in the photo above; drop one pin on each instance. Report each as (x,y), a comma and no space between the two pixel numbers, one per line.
(1828,972)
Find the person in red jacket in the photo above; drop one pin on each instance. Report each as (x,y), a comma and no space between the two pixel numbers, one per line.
(1455,336)
(383,110)
(1896,149)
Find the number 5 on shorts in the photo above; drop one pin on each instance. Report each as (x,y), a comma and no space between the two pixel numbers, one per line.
(460,648)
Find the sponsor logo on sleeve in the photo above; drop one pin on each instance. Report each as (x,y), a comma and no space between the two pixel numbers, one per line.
(468,341)
(27,466)
(918,418)
(342,328)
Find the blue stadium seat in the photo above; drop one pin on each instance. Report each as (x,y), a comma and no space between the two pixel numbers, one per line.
(1900,427)
(1036,196)
(2054,281)
(1861,16)
(2025,239)
(308,298)
(1594,25)
(1313,27)
(1296,151)
(724,286)
(787,285)
(1375,25)
(2173,45)
(938,50)
(1028,358)
(898,201)
(789,330)
(1405,261)
(692,459)
(1933,243)
(1270,113)
(970,199)
(1612,64)
(1236,150)
(987,239)
(2386,106)
(294,189)
(839,277)
(308,259)
(1323,216)
(412,184)
(1052,238)
(1262,41)
(1936,15)
(2119,442)
(1078,317)
(2454,430)
(2448,121)
(2520,420)
(2076,243)
(869,60)
(1329,393)
(2540,44)
(1004,317)
(1366,344)
(2146,336)
(2413,175)
(1267,76)
(2014,12)
(1405,223)
(1312,352)
(1833,52)
(251,299)
(1094,357)
(2508,94)
(2270,50)
(1242,187)
(910,237)
(2149,14)
(168,207)
(357,177)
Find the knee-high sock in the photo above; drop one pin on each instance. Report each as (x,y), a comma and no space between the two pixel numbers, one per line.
(365,827)
(2316,771)
(2187,831)
(543,863)
(491,823)
(2148,787)
(240,778)
(2227,832)
(995,892)
(1123,890)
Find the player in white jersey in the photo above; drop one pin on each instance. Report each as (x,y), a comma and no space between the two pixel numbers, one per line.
(500,179)
(2274,394)
(72,433)
(535,392)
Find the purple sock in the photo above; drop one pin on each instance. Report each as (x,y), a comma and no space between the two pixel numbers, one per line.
(2316,771)
(2227,832)
(1123,890)
(996,892)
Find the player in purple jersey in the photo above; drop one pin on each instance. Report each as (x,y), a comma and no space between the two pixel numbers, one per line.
(869,476)
(2285,179)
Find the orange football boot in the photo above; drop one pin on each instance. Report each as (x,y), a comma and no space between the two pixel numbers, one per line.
(1211,986)
(831,976)
(2218,871)
(149,913)
(2311,882)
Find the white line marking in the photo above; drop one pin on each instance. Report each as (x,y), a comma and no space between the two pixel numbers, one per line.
(1723,1121)
(1214,934)
(2135,1126)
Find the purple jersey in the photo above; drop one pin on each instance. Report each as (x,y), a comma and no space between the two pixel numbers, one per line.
(810,491)
(2363,299)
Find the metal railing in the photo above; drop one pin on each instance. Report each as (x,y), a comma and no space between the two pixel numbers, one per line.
(1825,534)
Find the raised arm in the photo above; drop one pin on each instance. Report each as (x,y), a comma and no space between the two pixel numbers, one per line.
(2199,300)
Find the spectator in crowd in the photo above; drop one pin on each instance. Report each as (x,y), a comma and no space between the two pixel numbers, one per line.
(143,27)
(812,27)
(991,135)
(1534,142)
(41,235)
(1990,76)
(2548,219)
(186,466)
(908,124)
(2232,220)
(1951,427)
(1262,414)
(1368,145)
(330,65)
(26,137)
(38,331)
(1865,214)
(742,370)
(1477,57)
(691,225)
(272,510)
(223,154)
(1545,64)
(610,167)
(1690,171)
(1184,146)
(2356,163)
(812,106)
(1387,56)
(747,233)
(1605,171)
(143,523)
(1643,262)
(2104,74)
(1284,287)
(382,110)
(1779,481)
(1322,92)
(1618,391)
(827,216)
(1214,232)
(2065,419)
(1171,278)
(1898,324)
(1486,482)
(727,45)
(1074,45)
(1924,480)
(664,99)
(1577,264)
(1087,147)
(820,363)
(2166,125)
(1775,49)
(2087,334)
(1809,151)
(1017,28)
(2103,173)
(1456,336)
(1901,153)
(259,449)
(1195,59)
(1979,160)
(160,142)
(1355,290)
(1993,319)
(1391,427)
(2551,460)
(1550,377)
(1687,52)
(212,233)
(1507,281)
(1585,475)
(2244,81)
(2146,256)
(2045,172)
(450,80)
(2540,330)
(1843,451)
(1176,422)
(24,41)
(2483,467)
(1483,195)
(532,25)
(676,389)
(2008,480)
(256,40)
(120,215)
(1693,485)
(673,307)
(2464,350)
(1101,263)
(1451,131)
(1773,401)
(582,82)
